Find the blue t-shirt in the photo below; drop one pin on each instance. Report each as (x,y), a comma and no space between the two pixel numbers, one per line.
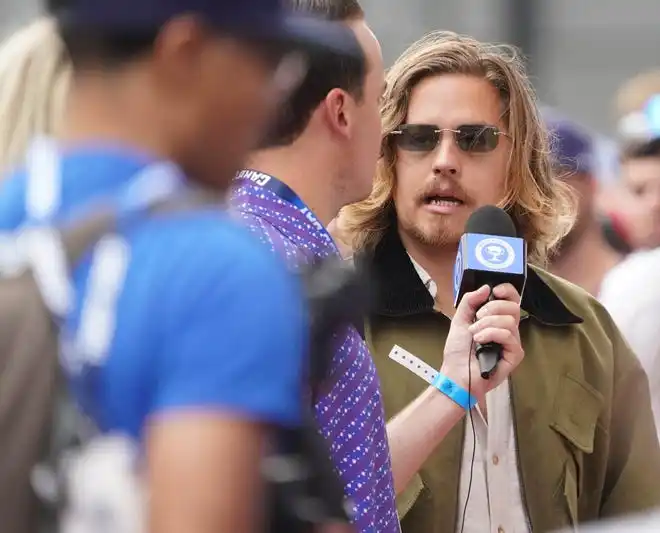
(206,319)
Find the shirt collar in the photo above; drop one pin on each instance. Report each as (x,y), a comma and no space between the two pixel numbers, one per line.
(424,277)
(404,289)
(289,220)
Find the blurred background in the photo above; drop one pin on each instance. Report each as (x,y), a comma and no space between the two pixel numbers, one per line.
(580,51)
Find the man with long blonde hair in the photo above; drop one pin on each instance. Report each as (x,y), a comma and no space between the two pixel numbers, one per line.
(569,437)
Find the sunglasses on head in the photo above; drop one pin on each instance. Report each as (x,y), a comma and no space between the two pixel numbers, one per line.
(475,138)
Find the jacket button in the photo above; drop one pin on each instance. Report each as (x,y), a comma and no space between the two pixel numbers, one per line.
(500,529)
(496,461)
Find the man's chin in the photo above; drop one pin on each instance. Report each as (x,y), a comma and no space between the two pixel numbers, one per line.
(438,238)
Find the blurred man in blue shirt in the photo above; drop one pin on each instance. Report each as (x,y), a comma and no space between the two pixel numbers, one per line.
(185,334)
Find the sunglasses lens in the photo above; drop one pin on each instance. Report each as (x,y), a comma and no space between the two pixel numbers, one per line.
(477,138)
(417,137)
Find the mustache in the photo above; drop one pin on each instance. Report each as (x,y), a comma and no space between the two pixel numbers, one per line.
(434,189)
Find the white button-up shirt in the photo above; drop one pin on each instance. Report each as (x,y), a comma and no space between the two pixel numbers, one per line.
(495,502)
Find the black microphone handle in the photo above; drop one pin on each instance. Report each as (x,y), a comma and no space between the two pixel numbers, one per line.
(488,354)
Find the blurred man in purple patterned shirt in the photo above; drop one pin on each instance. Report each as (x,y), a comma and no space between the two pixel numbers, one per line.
(320,156)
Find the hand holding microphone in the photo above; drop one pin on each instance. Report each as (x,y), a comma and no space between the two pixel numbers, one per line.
(483,346)
(496,322)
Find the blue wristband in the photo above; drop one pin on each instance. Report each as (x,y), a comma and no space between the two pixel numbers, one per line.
(454,391)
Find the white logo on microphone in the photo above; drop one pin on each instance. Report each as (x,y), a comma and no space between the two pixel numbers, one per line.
(495,253)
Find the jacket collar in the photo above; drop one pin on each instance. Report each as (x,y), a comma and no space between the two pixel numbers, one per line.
(401,292)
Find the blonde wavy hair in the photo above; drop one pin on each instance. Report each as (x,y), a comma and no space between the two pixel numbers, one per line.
(542,206)
(35,75)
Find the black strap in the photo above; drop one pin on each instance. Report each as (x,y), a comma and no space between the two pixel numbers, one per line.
(338,295)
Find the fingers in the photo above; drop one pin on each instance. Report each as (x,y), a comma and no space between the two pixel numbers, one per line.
(505,337)
(506,322)
(470,303)
(508,292)
(499,307)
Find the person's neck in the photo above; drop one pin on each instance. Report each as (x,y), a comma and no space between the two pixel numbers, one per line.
(96,112)
(308,171)
(586,260)
(438,262)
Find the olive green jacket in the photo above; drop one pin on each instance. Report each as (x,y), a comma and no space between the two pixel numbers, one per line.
(587,444)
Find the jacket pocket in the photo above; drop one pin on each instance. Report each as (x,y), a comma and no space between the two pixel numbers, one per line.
(406,500)
(576,410)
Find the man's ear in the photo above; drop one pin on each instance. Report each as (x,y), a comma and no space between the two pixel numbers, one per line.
(176,53)
(339,112)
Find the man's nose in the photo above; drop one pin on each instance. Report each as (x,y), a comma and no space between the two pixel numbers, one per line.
(446,159)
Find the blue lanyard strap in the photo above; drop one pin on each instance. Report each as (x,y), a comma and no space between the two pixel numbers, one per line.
(286,193)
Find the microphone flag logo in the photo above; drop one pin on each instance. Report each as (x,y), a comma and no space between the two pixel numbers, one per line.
(495,253)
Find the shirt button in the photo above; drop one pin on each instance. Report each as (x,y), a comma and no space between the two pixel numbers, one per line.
(496,461)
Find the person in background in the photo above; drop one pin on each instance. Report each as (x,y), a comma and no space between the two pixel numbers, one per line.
(583,256)
(319,155)
(560,437)
(640,176)
(631,291)
(35,75)
(635,203)
(169,348)
(631,294)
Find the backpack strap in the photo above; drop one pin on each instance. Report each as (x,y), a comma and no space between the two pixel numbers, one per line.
(52,253)
(44,184)
(154,191)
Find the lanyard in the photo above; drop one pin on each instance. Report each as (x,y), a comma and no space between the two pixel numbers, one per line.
(286,193)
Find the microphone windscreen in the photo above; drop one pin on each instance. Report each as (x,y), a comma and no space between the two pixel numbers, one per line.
(491,220)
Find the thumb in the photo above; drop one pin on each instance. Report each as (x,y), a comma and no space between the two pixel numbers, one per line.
(470,304)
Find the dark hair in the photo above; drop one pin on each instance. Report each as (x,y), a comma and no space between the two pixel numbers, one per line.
(326,72)
(92,47)
(642,150)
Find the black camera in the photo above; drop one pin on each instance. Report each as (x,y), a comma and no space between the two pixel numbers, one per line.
(305,490)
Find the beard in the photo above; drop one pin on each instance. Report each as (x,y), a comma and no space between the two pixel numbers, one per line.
(434,235)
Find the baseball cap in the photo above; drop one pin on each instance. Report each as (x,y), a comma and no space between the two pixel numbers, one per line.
(265,20)
(572,147)
(642,126)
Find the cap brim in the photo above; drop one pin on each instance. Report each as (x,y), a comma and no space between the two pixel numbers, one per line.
(315,35)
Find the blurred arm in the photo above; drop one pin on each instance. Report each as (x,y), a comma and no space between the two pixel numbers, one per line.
(204,474)
(417,431)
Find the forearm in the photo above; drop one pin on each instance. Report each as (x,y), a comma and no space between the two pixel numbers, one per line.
(416,431)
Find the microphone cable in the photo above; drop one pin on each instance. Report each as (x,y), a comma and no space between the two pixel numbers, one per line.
(474,441)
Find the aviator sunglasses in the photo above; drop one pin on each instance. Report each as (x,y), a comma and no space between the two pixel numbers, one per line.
(473,138)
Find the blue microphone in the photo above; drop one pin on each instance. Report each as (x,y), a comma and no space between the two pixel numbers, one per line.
(489,253)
